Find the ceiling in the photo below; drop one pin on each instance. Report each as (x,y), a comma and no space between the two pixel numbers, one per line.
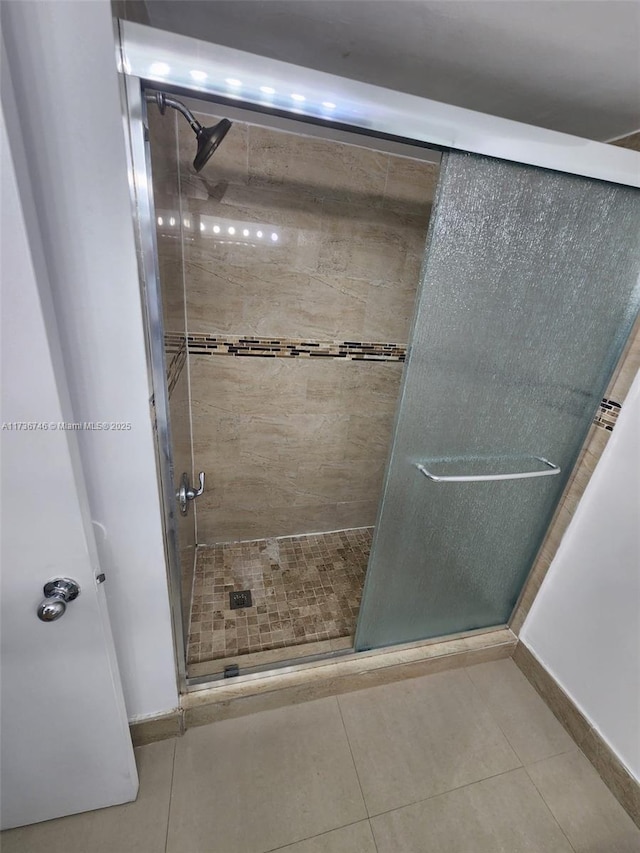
(568,65)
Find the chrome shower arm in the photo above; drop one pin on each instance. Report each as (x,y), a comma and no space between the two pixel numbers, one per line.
(163,102)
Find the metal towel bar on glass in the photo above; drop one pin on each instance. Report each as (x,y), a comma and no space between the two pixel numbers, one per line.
(549,471)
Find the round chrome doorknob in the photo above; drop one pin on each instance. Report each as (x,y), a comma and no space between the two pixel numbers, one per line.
(57,593)
(51,609)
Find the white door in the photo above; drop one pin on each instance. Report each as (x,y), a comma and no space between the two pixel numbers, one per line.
(65,740)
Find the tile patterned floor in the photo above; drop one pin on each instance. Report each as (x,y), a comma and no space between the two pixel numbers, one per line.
(304,589)
(465,761)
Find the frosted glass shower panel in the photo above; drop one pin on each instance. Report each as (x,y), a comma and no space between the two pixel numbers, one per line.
(529,291)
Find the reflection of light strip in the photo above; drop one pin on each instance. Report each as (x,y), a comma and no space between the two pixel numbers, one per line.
(299,98)
(267,90)
(160,68)
(231,227)
(199,76)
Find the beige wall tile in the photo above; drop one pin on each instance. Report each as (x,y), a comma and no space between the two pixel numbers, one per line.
(357,513)
(316,167)
(289,446)
(171,282)
(270,471)
(181,446)
(411,185)
(164,161)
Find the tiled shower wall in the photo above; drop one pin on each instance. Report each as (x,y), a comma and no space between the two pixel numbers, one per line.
(295,252)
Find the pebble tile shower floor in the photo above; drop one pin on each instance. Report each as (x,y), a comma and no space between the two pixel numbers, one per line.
(304,589)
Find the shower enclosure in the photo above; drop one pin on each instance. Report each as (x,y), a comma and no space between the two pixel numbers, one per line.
(285,285)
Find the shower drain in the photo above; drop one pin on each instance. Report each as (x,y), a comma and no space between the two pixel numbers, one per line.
(240,599)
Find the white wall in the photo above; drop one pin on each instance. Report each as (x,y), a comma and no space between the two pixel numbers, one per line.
(584,626)
(61,57)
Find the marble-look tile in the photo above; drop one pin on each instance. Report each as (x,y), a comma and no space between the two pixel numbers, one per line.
(422,737)
(171,283)
(245,385)
(390,308)
(586,810)
(369,435)
(356,838)
(233,523)
(181,447)
(164,159)
(411,185)
(291,778)
(316,167)
(528,724)
(308,464)
(505,813)
(357,513)
(139,826)
(271,299)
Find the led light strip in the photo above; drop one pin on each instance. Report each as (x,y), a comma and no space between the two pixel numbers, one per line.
(236,76)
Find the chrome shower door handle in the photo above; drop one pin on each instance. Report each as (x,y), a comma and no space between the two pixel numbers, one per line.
(187,493)
(196,494)
(57,593)
(548,471)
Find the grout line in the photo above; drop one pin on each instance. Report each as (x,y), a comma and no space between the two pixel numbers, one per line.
(506,736)
(575,748)
(309,837)
(346,734)
(173,767)
(373,835)
(551,812)
(449,791)
(493,717)
(288,536)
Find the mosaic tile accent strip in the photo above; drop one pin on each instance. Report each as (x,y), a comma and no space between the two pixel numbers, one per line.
(175,348)
(607,415)
(201,344)
(304,589)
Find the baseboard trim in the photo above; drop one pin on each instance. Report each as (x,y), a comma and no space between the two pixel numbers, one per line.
(343,675)
(613,773)
(152,729)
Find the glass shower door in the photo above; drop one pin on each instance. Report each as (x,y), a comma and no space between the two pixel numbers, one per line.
(530,286)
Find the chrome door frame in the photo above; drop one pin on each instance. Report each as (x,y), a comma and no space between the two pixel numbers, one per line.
(141,190)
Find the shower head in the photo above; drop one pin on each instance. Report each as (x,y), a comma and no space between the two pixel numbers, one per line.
(208,137)
(208,140)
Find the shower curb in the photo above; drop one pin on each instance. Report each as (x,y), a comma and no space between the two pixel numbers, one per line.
(333,677)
